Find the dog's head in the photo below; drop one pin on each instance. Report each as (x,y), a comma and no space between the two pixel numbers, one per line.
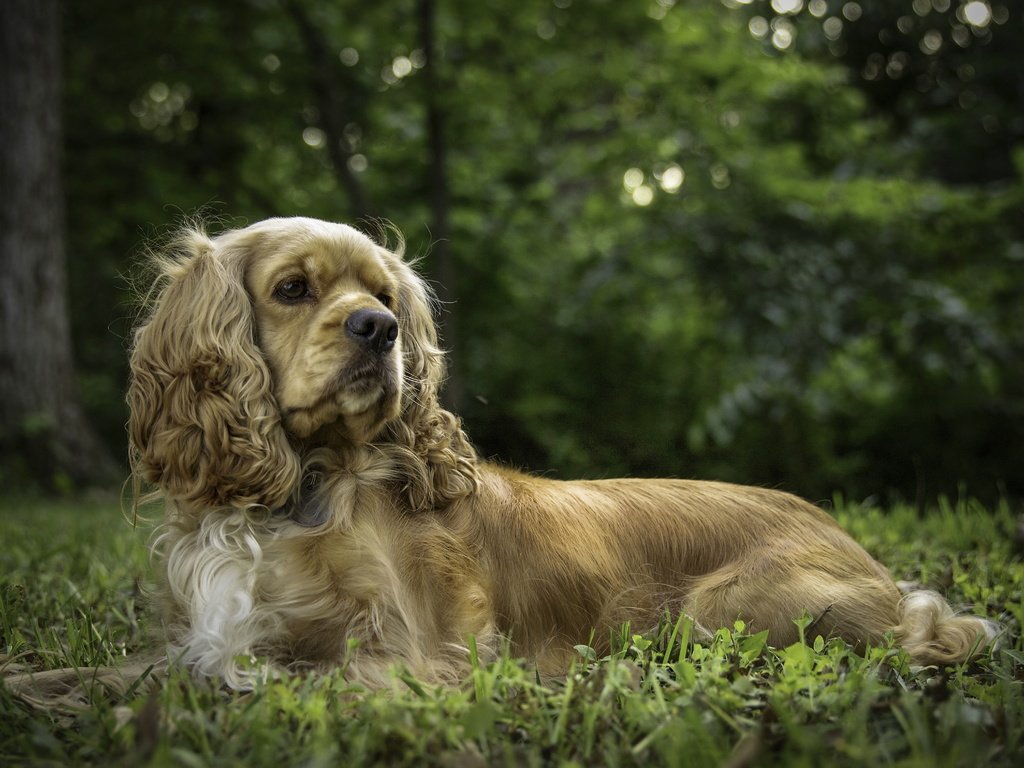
(269,341)
(326,302)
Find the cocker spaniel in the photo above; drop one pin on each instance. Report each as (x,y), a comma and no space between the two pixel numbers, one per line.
(324,510)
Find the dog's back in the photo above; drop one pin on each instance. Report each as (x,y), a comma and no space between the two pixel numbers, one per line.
(561,557)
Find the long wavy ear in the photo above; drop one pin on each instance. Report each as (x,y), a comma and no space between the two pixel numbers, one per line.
(204,425)
(441,465)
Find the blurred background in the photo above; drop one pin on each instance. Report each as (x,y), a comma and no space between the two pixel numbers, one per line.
(778,243)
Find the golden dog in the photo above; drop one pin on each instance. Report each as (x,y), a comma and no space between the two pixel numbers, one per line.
(323,509)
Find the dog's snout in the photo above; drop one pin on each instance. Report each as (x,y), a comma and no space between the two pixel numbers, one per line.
(373,329)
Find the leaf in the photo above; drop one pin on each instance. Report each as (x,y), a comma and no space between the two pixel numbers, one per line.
(586,652)
(478,720)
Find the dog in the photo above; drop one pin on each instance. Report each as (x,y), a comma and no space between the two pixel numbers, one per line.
(323,509)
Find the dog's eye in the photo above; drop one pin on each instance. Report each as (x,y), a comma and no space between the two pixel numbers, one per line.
(293,290)
(385,299)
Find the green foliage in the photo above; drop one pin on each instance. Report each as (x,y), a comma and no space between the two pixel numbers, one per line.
(751,259)
(671,696)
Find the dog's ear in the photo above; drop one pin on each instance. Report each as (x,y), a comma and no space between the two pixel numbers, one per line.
(204,425)
(439,462)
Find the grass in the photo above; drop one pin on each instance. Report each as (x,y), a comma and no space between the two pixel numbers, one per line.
(70,575)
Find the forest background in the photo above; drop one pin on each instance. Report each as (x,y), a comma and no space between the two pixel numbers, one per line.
(778,243)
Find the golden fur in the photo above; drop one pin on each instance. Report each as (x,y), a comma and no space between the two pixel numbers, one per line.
(323,509)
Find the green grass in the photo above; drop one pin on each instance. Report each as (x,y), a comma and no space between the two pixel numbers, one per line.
(70,576)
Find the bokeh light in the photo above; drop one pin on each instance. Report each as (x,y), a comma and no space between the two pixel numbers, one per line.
(931,42)
(643,195)
(164,110)
(787,6)
(977,13)
(672,178)
(832,27)
(720,177)
(784,33)
(358,163)
(313,137)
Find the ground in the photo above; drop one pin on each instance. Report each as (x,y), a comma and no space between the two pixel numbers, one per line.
(72,585)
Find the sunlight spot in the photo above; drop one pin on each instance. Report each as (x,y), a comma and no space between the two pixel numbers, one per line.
(657,11)
(546,29)
(961,36)
(643,195)
(897,64)
(313,137)
(852,11)
(672,179)
(720,176)
(818,8)
(632,179)
(730,119)
(159,92)
(401,66)
(358,163)
(352,134)
(873,67)
(931,42)
(832,27)
(977,13)
(758,26)
(349,57)
(161,106)
(782,37)
(787,6)
(271,63)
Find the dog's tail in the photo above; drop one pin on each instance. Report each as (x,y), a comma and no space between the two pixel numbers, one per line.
(933,633)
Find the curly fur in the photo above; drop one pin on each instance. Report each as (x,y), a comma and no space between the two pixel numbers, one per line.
(215,439)
(324,510)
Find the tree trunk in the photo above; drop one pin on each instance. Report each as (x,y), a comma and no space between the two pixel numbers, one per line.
(43,430)
(437,186)
(331,103)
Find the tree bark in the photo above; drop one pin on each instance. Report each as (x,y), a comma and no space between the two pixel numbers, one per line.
(437,186)
(43,430)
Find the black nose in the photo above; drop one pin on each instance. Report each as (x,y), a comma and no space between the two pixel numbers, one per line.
(372,328)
